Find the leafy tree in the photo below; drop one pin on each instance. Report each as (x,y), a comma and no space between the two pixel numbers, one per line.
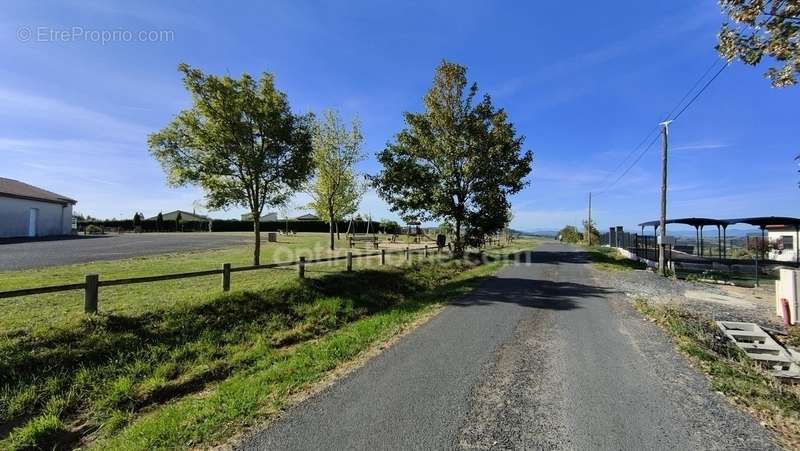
(137,219)
(763,28)
(239,142)
(336,191)
(591,234)
(457,161)
(389,225)
(159,221)
(178,220)
(570,234)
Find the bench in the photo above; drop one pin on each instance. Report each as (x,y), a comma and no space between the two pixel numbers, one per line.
(353,240)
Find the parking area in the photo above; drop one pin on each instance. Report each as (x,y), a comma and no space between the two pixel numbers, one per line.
(83,249)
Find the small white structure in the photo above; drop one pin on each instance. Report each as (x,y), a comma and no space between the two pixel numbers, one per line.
(28,211)
(788,287)
(783,239)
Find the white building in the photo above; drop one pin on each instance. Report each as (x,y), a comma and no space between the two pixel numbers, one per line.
(28,211)
(783,242)
(271,216)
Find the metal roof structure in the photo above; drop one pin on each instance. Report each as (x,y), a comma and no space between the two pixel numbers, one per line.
(761,222)
(758,221)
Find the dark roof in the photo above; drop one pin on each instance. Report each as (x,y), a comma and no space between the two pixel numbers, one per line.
(185,216)
(15,188)
(758,221)
(694,222)
(763,221)
(307,217)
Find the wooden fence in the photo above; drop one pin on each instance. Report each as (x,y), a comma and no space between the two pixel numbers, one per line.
(92,282)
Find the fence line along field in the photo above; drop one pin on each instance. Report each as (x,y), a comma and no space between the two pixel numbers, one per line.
(117,379)
(61,308)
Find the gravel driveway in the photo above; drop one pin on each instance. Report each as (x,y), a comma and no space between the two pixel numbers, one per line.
(543,356)
(80,249)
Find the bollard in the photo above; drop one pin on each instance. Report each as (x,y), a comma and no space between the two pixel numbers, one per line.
(406,253)
(349,261)
(426,251)
(787,314)
(383,257)
(226,277)
(90,295)
(301,267)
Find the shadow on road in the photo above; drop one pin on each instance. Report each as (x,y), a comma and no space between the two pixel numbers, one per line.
(540,294)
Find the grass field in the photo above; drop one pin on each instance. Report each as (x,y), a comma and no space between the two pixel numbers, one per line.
(178,364)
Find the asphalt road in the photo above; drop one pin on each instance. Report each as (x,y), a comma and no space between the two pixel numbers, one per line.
(82,249)
(540,357)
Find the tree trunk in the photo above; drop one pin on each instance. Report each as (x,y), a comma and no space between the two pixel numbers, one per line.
(458,246)
(338,234)
(330,219)
(257,231)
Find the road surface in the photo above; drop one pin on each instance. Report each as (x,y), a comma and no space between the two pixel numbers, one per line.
(83,249)
(539,357)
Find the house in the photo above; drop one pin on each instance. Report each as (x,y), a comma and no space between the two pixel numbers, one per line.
(783,240)
(185,217)
(26,210)
(307,217)
(271,216)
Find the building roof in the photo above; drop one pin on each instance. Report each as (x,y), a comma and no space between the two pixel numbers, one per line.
(185,216)
(308,217)
(17,189)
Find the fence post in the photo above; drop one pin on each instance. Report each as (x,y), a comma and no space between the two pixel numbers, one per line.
(349,261)
(301,267)
(226,277)
(426,251)
(383,257)
(90,295)
(406,253)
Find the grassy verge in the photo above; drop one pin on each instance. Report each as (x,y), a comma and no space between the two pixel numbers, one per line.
(735,278)
(195,372)
(608,259)
(731,372)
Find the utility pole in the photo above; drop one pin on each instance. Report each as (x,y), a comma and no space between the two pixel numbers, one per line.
(589,225)
(662,258)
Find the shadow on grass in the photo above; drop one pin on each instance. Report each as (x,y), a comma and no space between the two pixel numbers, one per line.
(88,359)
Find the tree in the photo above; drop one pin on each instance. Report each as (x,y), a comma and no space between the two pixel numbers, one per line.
(570,234)
(764,28)
(389,225)
(591,234)
(336,191)
(239,142)
(137,219)
(159,221)
(456,161)
(178,220)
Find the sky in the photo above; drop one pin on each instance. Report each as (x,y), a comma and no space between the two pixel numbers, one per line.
(82,84)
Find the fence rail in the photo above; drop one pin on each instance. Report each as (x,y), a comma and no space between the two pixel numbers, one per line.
(93,281)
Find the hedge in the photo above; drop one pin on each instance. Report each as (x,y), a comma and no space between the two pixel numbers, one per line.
(235,225)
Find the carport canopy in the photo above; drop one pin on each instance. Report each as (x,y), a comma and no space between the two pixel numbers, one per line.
(758,221)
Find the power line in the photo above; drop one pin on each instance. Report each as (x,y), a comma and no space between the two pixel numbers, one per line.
(727,63)
(667,116)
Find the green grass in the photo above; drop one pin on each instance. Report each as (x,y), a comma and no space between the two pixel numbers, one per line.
(730,370)
(179,364)
(737,278)
(608,259)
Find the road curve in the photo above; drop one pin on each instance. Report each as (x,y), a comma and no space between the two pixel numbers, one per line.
(541,356)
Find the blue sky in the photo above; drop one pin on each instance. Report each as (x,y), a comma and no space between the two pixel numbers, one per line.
(584,86)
